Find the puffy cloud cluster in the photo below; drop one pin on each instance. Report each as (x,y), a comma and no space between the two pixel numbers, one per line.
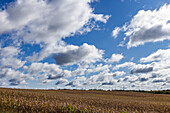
(115,32)
(98,68)
(9,51)
(13,76)
(85,53)
(48,71)
(143,76)
(147,26)
(104,78)
(115,58)
(76,82)
(8,57)
(9,65)
(160,55)
(62,81)
(141,69)
(126,64)
(47,21)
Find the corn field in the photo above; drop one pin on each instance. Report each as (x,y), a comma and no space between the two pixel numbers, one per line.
(79,101)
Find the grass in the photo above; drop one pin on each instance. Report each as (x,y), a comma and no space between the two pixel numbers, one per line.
(78,101)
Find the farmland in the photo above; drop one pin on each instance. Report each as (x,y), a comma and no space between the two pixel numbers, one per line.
(79,101)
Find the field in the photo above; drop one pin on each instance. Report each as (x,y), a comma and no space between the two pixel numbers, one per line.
(78,101)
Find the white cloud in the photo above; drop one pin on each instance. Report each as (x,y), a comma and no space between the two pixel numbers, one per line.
(139,68)
(48,71)
(76,82)
(102,77)
(51,49)
(98,68)
(116,31)
(115,58)
(160,60)
(8,58)
(158,63)
(157,56)
(118,73)
(101,18)
(144,76)
(126,64)
(11,62)
(2,83)
(62,82)
(82,68)
(20,13)
(47,21)
(148,26)
(64,73)
(14,76)
(9,51)
(159,80)
(15,82)
(85,53)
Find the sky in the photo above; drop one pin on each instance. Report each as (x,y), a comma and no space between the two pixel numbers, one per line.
(85,44)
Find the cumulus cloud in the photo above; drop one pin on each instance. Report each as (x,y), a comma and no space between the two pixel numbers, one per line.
(22,16)
(143,79)
(115,58)
(157,56)
(148,26)
(108,83)
(126,64)
(136,68)
(116,31)
(11,62)
(62,82)
(153,34)
(76,82)
(98,68)
(155,72)
(81,70)
(15,82)
(8,57)
(160,61)
(50,71)
(50,49)
(9,65)
(2,83)
(85,53)
(46,23)
(65,73)
(141,69)
(102,77)
(15,77)
(9,51)
(118,73)
(101,18)
(168,79)
(158,80)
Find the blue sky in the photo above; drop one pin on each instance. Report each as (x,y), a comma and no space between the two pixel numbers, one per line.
(85,44)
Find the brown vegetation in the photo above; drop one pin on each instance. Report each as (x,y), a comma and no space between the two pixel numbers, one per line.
(77,101)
